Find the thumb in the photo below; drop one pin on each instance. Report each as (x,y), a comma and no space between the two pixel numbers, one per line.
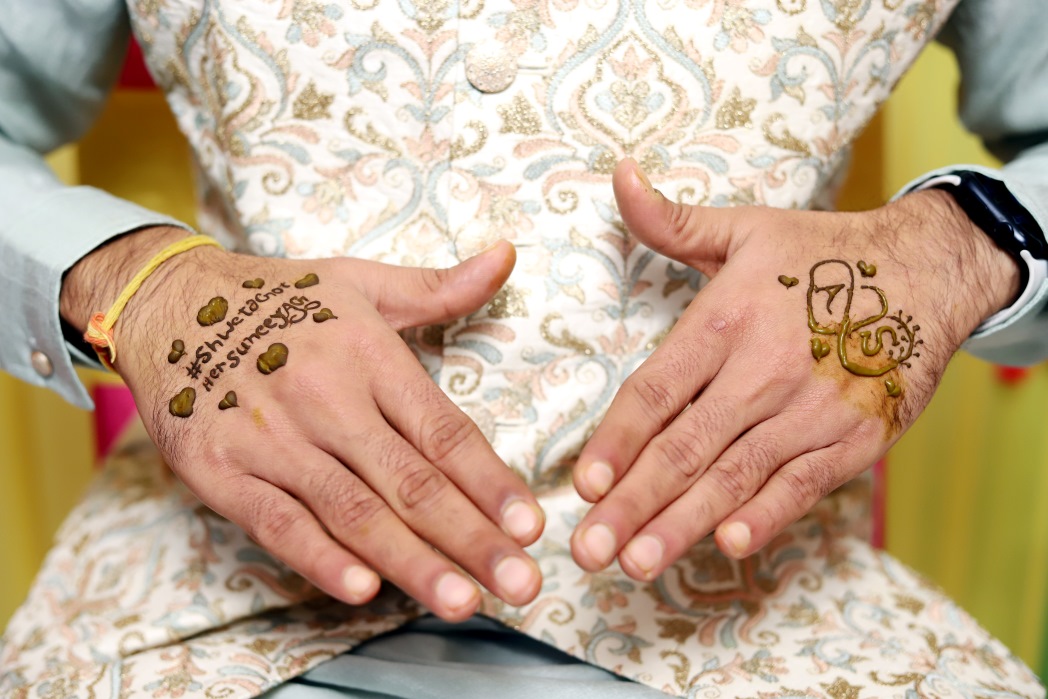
(699,236)
(414,296)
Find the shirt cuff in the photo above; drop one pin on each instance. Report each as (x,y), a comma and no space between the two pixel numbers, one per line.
(1015,335)
(36,250)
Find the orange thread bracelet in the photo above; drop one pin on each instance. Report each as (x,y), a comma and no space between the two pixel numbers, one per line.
(100,328)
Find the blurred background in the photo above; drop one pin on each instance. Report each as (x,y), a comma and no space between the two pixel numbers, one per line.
(963,488)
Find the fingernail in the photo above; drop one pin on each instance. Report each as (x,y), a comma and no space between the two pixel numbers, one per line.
(520,520)
(455,592)
(515,577)
(599,542)
(489,248)
(359,581)
(598,477)
(736,538)
(644,552)
(642,177)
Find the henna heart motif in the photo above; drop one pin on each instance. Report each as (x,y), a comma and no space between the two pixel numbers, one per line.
(230,401)
(819,349)
(308,280)
(182,404)
(324,314)
(213,312)
(178,350)
(273,358)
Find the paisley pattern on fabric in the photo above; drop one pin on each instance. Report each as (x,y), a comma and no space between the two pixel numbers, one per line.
(351,127)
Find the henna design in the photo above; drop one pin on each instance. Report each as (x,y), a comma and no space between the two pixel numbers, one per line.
(229,401)
(324,314)
(308,280)
(788,281)
(213,312)
(253,283)
(182,404)
(273,358)
(178,350)
(892,343)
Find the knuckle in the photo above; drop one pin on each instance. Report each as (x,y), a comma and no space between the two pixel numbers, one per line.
(678,454)
(678,223)
(420,487)
(443,434)
(350,504)
(653,394)
(808,485)
(735,479)
(271,522)
(432,280)
(355,510)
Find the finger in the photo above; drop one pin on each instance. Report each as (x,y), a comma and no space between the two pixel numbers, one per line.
(676,458)
(449,440)
(694,235)
(651,398)
(282,526)
(419,499)
(728,483)
(362,523)
(787,496)
(410,297)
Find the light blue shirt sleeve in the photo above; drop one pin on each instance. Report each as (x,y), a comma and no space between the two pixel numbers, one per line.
(58,60)
(1003,56)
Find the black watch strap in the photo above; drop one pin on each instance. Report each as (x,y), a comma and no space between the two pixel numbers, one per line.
(996,211)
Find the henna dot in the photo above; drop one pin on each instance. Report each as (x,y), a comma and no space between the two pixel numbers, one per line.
(230,401)
(787,281)
(178,349)
(893,390)
(253,283)
(867,270)
(213,312)
(324,314)
(308,280)
(273,358)
(182,404)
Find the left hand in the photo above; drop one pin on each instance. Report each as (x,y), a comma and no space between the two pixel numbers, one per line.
(732,424)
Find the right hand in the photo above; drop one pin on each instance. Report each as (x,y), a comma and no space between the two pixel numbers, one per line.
(348,461)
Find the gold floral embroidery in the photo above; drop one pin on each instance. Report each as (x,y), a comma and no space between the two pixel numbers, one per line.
(509,302)
(519,117)
(312,104)
(735,112)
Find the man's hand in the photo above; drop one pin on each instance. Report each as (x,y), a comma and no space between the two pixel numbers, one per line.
(281,394)
(817,342)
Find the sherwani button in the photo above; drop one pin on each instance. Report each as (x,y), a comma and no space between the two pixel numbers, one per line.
(491,66)
(41,364)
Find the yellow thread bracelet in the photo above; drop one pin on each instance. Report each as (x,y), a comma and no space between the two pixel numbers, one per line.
(100,328)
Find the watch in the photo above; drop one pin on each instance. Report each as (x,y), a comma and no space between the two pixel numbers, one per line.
(990,206)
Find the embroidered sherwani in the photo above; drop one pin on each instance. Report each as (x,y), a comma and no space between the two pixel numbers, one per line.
(417,133)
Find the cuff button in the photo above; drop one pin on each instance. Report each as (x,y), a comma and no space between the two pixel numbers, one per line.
(41,364)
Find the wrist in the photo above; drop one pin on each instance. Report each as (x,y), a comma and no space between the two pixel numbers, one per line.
(95,283)
(981,277)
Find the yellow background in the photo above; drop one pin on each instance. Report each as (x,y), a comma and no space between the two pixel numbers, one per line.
(964,485)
